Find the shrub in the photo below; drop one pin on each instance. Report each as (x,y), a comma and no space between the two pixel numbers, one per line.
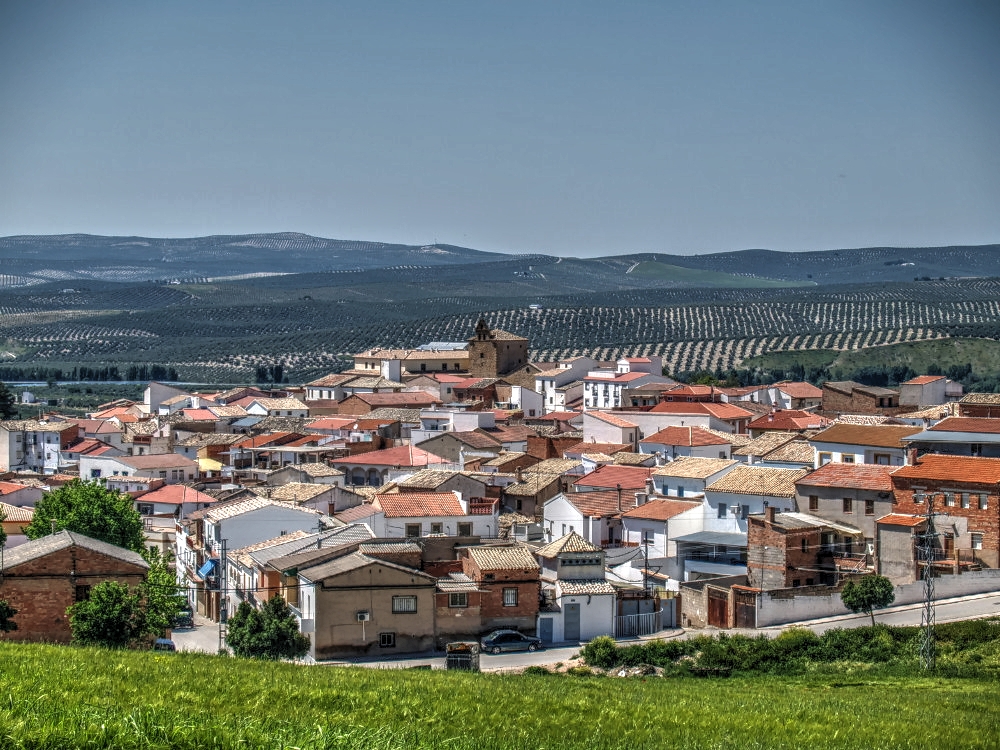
(601,652)
(536,670)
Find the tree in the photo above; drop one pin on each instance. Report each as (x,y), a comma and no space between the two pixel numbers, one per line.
(268,633)
(111,617)
(867,594)
(7,613)
(8,409)
(90,509)
(160,595)
(3,534)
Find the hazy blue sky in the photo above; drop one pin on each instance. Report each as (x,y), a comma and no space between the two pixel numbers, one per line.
(576,128)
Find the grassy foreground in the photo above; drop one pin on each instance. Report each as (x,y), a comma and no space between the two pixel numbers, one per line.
(58,697)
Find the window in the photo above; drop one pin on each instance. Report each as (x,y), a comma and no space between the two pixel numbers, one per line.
(809,581)
(412,530)
(722,454)
(465,529)
(869,507)
(805,545)
(510,597)
(647,536)
(882,459)
(825,458)
(744,511)
(458,600)
(387,640)
(813,502)
(437,528)
(977,540)
(965,499)
(145,509)
(82,593)
(95,473)
(796,583)
(848,505)
(982,502)
(949,499)
(680,491)
(722,510)
(847,458)
(403,605)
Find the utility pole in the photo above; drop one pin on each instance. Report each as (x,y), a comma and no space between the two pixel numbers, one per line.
(927,548)
(223,595)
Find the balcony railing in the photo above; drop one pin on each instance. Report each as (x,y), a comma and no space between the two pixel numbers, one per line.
(483,509)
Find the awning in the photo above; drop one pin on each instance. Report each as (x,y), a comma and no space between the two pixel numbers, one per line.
(718,538)
(208,568)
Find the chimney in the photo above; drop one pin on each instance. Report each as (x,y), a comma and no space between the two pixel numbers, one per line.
(650,487)
(911,457)
(770,512)
(619,488)
(640,498)
(519,473)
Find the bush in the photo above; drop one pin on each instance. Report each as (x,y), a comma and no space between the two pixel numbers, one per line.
(536,670)
(601,652)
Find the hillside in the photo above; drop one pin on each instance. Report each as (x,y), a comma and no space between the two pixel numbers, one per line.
(57,697)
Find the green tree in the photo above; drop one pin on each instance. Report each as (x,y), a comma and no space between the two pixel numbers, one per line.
(111,617)
(268,633)
(90,509)
(160,594)
(8,409)
(7,613)
(3,534)
(867,594)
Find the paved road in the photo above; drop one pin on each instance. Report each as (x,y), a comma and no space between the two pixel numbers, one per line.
(205,635)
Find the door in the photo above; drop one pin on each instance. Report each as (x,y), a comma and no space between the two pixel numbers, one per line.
(718,608)
(545,629)
(746,609)
(571,622)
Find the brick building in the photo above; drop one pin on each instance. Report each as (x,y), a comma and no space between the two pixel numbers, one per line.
(494,353)
(788,550)
(966,492)
(508,577)
(43,577)
(848,397)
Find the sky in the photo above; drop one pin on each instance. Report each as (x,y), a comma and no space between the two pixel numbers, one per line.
(571,128)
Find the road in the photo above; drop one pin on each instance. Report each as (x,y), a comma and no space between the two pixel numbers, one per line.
(205,635)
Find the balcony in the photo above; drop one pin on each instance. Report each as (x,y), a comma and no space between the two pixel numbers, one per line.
(483,508)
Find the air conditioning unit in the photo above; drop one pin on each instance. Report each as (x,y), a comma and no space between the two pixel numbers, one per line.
(364,615)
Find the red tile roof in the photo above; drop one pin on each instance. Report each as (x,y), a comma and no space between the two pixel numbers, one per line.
(419,504)
(898,519)
(416,398)
(800,390)
(660,510)
(271,438)
(176,494)
(611,475)
(924,379)
(403,455)
(789,419)
(90,447)
(689,436)
(609,449)
(879,436)
(968,424)
(331,423)
(610,419)
(852,476)
(719,411)
(953,469)
(600,504)
(199,415)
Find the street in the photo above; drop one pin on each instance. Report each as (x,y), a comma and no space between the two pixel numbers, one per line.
(204,636)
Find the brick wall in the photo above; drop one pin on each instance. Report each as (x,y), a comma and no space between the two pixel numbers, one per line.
(41,590)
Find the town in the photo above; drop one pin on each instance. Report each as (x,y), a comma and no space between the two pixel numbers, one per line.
(437,494)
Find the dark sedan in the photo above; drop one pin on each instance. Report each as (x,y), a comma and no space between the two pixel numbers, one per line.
(510,640)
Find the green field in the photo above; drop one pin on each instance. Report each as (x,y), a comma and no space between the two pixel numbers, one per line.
(983,354)
(652,269)
(59,697)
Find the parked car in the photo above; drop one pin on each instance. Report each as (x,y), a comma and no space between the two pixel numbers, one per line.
(164,644)
(509,640)
(184,619)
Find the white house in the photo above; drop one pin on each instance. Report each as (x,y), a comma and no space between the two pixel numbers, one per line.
(411,514)
(862,444)
(924,390)
(596,516)
(688,477)
(686,442)
(170,467)
(35,445)
(551,384)
(578,603)
(604,427)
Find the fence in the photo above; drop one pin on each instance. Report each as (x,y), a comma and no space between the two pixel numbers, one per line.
(647,623)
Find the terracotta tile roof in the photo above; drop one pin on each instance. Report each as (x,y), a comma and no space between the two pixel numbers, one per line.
(375,548)
(611,419)
(660,510)
(329,381)
(33,425)
(719,411)
(298,492)
(759,480)
(865,419)
(429,479)
(46,545)
(953,469)
(261,441)
(879,436)
(499,335)
(794,451)
(968,424)
(627,458)
(403,455)
(585,587)
(554,466)
(357,513)
(331,423)
(694,468)
(176,494)
(291,537)
(318,469)
(514,557)
(850,476)
(898,519)
(90,447)
(924,379)
(610,476)
(789,419)
(157,461)
(981,398)
(406,398)
(571,542)
(607,448)
(601,504)
(408,416)
(476,439)
(16,514)
(502,458)
(766,443)
(222,511)
(800,390)
(418,504)
(530,484)
(688,436)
